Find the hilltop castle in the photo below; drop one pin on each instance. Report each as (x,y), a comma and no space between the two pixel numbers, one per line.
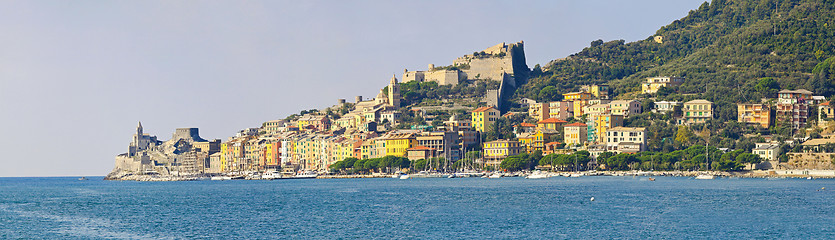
(497,63)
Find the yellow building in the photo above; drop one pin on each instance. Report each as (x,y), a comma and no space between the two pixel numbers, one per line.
(484,117)
(535,140)
(496,151)
(550,124)
(754,113)
(575,134)
(653,84)
(539,111)
(696,111)
(397,144)
(604,122)
(598,91)
(579,99)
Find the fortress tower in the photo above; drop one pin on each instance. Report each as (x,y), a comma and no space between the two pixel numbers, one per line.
(394,92)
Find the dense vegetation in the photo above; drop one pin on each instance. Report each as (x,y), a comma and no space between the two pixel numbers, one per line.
(723,49)
(695,157)
(383,164)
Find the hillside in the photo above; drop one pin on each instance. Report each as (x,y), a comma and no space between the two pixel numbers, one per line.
(726,47)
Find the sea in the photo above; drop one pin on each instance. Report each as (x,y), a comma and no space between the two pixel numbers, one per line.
(440,208)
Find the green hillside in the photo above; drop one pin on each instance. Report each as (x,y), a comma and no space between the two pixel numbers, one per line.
(723,49)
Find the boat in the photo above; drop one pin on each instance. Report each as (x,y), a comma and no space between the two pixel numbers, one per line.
(705,177)
(397,175)
(82,179)
(425,174)
(220,178)
(652,179)
(405,176)
(270,175)
(495,175)
(305,175)
(575,175)
(537,175)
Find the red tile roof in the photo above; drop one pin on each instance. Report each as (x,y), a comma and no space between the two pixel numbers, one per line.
(524,124)
(552,120)
(553,143)
(482,109)
(825,104)
(577,124)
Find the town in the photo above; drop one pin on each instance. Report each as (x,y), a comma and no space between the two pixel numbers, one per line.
(476,126)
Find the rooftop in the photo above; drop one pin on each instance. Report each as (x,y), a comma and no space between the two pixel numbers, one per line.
(552,120)
(482,109)
(627,129)
(699,101)
(577,124)
(799,91)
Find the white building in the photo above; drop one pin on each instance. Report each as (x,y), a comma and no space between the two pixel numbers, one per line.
(626,139)
(767,151)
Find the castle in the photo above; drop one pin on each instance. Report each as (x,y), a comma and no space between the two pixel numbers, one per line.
(185,152)
(497,63)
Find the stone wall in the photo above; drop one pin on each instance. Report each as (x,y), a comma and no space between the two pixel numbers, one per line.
(821,161)
(443,77)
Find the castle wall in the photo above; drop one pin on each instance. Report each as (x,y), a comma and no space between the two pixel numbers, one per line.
(192,134)
(413,76)
(487,68)
(443,77)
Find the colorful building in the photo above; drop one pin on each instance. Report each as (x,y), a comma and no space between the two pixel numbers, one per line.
(754,113)
(396,144)
(484,117)
(550,124)
(626,139)
(653,84)
(496,151)
(696,111)
(575,134)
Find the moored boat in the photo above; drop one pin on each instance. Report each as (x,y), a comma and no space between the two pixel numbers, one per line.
(705,177)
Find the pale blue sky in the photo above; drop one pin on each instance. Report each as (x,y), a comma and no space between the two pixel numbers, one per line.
(76,76)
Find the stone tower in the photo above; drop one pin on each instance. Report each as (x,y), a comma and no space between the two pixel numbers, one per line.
(139,129)
(394,92)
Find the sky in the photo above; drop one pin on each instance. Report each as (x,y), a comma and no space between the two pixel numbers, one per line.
(77,76)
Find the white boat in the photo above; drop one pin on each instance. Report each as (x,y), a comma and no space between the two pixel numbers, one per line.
(304,175)
(495,175)
(575,175)
(537,175)
(220,178)
(397,175)
(425,174)
(82,179)
(405,176)
(705,176)
(270,175)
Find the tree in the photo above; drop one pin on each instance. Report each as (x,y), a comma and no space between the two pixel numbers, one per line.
(549,93)
(683,135)
(748,158)
(767,86)
(603,156)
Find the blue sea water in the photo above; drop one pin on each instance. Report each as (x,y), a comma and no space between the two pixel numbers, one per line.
(469,208)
